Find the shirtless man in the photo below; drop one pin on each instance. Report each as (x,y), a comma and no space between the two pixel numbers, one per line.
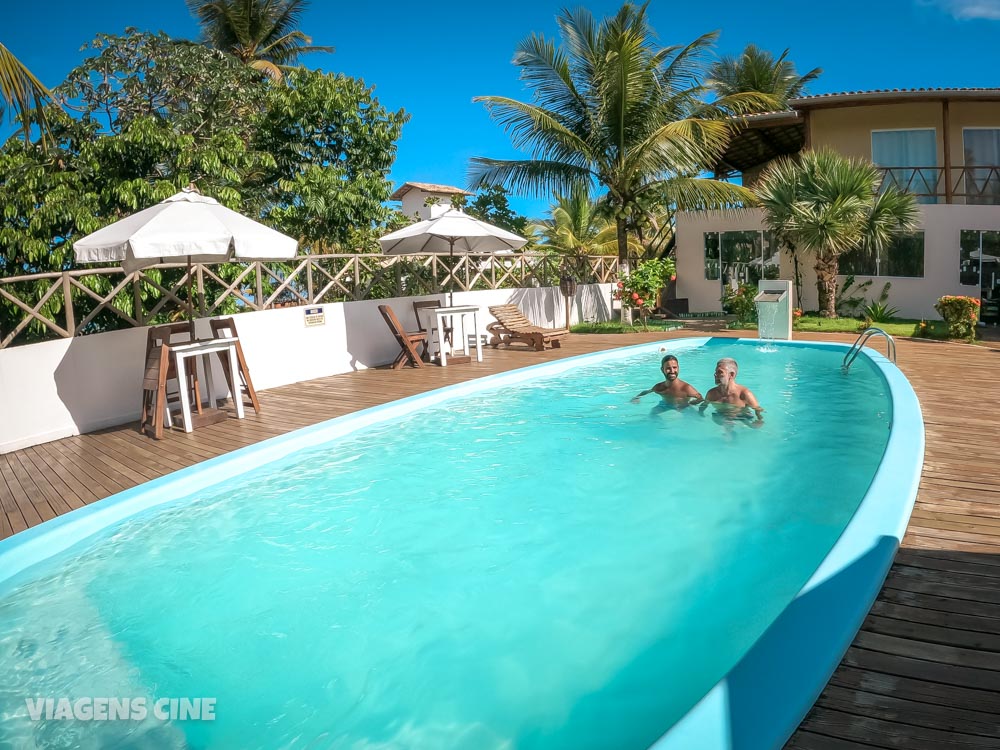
(729,398)
(672,389)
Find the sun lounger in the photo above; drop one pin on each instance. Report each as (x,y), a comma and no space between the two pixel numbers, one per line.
(512,326)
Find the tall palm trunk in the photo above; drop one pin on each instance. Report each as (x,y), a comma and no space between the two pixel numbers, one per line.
(622,245)
(827,268)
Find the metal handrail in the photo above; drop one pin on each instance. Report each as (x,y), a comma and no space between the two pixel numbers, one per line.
(855,350)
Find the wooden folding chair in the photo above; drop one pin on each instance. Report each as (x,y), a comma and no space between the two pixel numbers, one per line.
(226,328)
(406,340)
(160,369)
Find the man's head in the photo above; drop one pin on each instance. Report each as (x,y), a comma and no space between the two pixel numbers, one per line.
(670,367)
(725,371)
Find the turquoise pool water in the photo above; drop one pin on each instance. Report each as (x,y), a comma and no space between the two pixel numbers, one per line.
(543,565)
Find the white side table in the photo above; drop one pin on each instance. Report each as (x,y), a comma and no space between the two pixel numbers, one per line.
(204,349)
(441,313)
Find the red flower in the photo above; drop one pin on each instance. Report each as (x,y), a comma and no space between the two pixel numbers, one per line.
(635,295)
(674,277)
(621,285)
(639,302)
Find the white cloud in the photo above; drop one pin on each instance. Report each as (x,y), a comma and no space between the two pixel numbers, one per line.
(967,10)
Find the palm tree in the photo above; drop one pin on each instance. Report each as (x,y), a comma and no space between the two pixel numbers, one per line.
(828,204)
(758,70)
(611,108)
(264,34)
(578,227)
(23,94)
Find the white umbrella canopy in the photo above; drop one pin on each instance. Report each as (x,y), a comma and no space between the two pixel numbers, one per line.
(188,226)
(453,230)
(986,258)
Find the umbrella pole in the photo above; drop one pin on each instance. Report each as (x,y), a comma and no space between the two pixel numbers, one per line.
(451,272)
(190,305)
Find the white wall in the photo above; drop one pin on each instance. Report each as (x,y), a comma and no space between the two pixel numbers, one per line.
(915,297)
(59,388)
(413,204)
(705,295)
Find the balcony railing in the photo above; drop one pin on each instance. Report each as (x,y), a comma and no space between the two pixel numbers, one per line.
(979,185)
(36,307)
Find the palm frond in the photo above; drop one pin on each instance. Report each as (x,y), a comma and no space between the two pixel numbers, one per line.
(531,125)
(546,70)
(23,94)
(529,176)
(701,194)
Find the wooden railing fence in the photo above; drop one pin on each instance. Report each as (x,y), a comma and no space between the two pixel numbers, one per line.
(37,307)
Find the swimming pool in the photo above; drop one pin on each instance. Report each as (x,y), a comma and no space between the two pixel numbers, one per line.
(527,561)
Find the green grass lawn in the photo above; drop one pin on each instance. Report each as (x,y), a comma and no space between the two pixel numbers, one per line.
(936,329)
(615,326)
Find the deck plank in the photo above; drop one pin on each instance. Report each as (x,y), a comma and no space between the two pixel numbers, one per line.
(923,671)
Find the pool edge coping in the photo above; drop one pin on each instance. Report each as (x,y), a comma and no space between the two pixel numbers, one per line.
(873,535)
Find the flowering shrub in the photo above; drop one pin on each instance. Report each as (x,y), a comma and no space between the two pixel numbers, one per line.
(960,313)
(639,288)
(740,303)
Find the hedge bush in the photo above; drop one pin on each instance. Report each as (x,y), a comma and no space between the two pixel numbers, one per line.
(960,313)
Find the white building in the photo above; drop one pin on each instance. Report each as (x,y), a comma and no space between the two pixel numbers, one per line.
(943,145)
(414,195)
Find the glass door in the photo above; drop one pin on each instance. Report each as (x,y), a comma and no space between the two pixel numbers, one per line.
(979,266)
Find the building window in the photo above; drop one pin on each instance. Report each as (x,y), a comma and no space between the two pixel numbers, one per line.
(979,259)
(904,257)
(712,256)
(909,160)
(982,165)
(740,257)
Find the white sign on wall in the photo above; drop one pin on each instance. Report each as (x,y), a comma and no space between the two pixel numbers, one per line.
(315,317)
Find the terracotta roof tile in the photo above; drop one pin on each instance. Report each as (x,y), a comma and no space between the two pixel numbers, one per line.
(428,187)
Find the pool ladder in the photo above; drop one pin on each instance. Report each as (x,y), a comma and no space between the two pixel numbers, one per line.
(855,350)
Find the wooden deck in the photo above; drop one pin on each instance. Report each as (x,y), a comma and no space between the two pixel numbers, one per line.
(924,672)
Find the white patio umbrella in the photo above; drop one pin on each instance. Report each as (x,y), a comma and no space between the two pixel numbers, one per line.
(986,258)
(188,226)
(453,230)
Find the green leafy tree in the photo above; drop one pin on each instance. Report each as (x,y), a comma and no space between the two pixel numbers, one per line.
(756,69)
(491,205)
(264,34)
(22,94)
(827,204)
(153,115)
(333,144)
(610,107)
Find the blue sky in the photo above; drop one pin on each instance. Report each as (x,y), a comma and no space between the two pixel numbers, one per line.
(432,59)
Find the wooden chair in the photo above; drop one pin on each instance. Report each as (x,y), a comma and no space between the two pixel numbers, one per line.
(406,340)
(511,326)
(226,328)
(449,331)
(160,370)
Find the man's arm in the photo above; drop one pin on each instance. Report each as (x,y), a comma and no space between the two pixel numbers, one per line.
(706,401)
(751,402)
(635,398)
(694,396)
